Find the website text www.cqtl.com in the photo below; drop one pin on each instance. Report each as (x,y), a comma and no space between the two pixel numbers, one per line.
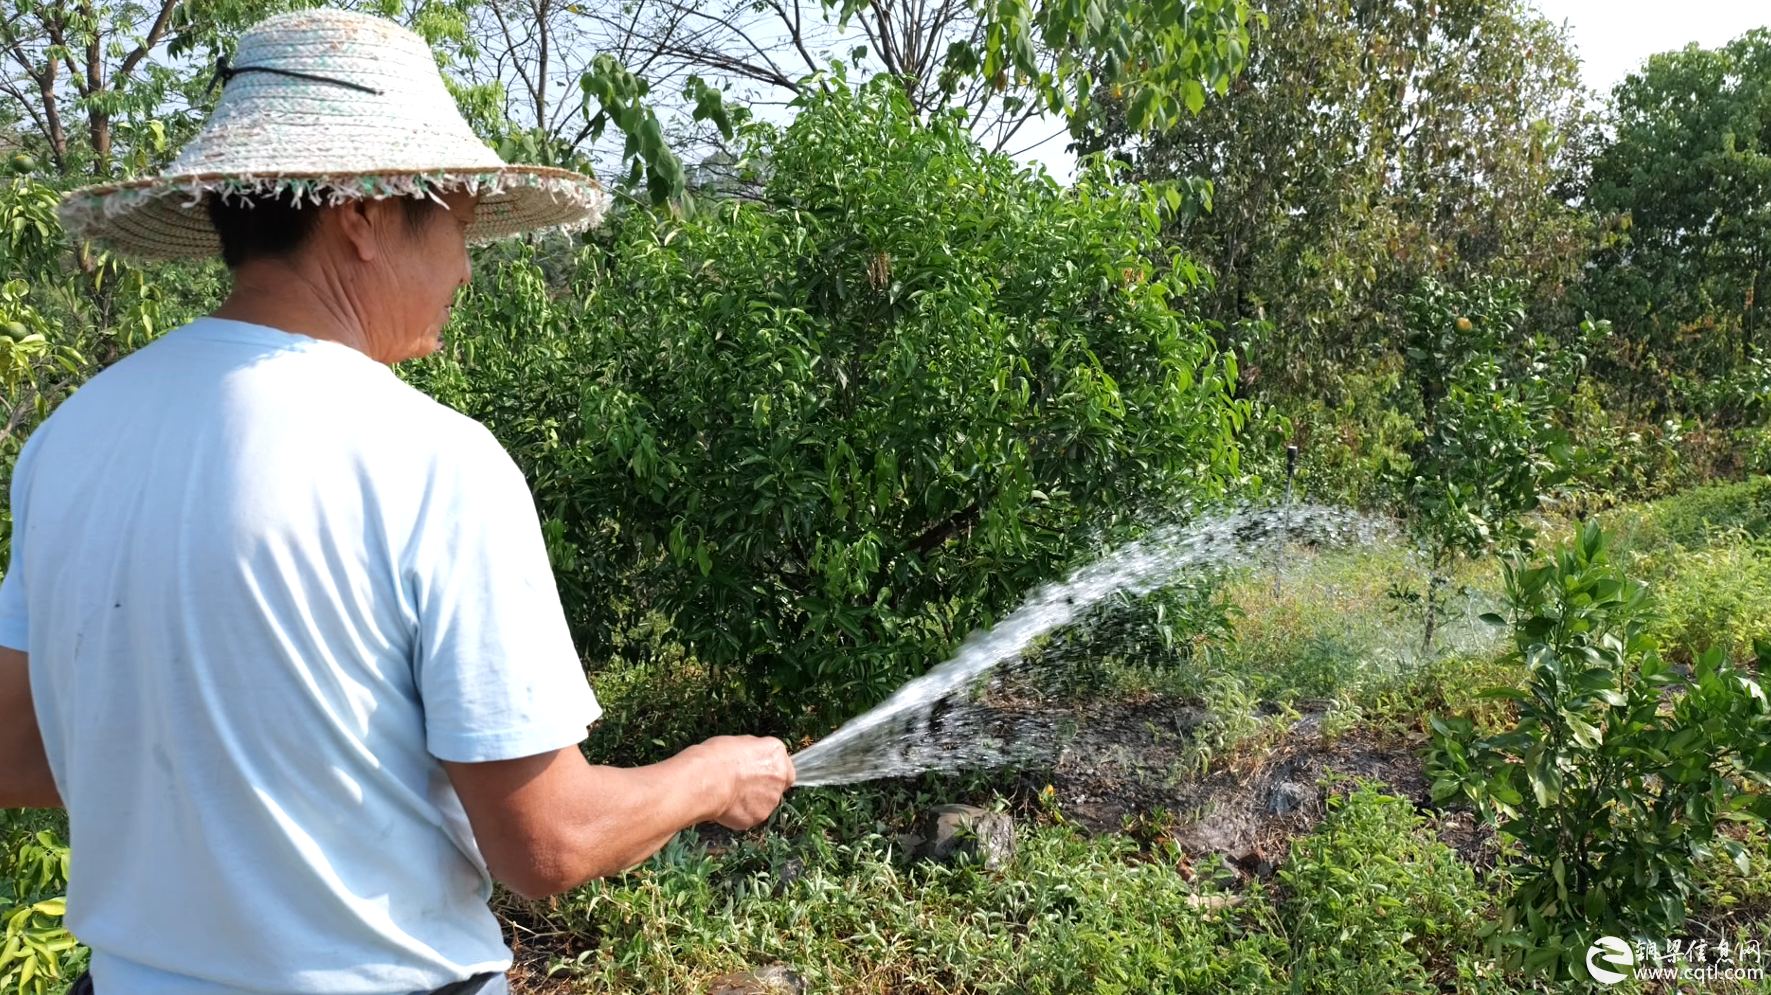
(1700,972)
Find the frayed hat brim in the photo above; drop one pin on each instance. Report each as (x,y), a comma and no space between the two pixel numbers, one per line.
(166,217)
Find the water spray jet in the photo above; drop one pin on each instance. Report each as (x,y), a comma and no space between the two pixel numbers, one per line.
(900,738)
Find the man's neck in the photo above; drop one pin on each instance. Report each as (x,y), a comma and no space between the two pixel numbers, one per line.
(300,299)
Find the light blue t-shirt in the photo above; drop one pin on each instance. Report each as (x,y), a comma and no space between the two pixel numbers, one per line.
(265,586)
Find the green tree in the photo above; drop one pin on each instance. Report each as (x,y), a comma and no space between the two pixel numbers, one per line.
(828,434)
(1367,146)
(1613,793)
(1687,181)
(78,71)
(1486,402)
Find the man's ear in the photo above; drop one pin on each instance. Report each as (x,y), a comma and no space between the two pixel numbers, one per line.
(359,220)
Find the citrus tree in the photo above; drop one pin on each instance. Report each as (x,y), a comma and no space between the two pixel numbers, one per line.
(1621,772)
(1488,446)
(1367,145)
(828,432)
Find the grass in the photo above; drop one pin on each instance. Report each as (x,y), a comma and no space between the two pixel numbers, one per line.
(1332,636)
(1374,904)
(1368,899)
(1706,554)
(1719,595)
(1693,519)
(1073,914)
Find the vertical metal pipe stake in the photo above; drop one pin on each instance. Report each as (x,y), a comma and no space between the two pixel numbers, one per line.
(1291,471)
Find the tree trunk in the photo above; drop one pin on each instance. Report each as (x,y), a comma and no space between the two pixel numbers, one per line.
(1750,327)
(98,121)
(1432,627)
(57,134)
(541,28)
(100,124)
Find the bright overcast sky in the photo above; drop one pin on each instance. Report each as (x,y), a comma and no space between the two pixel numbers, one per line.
(1613,38)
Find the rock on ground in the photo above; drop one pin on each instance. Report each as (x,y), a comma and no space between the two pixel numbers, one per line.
(949,831)
(776,979)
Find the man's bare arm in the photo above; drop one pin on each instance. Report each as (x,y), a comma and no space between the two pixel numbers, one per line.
(25,781)
(548,823)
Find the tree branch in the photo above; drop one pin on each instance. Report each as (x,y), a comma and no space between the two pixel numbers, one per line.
(940,533)
(795,32)
(155,33)
(510,44)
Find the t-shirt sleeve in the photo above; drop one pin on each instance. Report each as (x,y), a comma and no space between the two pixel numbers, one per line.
(15,628)
(495,664)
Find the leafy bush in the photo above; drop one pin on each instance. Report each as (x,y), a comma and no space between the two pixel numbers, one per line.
(827,433)
(1715,597)
(1611,797)
(1175,637)
(1624,460)
(1695,517)
(35,949)
(1352,443)
(1373,905)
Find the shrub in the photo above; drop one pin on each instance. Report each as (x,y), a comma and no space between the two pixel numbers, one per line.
(36,951)
(1695,517)
(1352,443)
(828,432)
(1717,597)
(1373,905)
(1611,797)
(1489,447)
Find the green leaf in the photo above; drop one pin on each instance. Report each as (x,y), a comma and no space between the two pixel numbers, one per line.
(1585,733)
(1193,95)
(1739,855)
(1546,782)
(1140,113)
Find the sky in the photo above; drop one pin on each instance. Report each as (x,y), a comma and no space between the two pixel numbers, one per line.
(1613,37)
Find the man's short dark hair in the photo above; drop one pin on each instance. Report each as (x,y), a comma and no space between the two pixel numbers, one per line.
(273,226)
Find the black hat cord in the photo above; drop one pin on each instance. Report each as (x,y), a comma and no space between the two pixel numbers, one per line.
(225,72)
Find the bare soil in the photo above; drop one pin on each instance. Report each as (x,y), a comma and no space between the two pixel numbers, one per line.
(1131,763)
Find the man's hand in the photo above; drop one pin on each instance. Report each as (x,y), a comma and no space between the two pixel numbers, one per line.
(760,773)
(551,822)
(25,781)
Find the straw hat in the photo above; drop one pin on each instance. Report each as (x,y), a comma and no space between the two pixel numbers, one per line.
(330,106)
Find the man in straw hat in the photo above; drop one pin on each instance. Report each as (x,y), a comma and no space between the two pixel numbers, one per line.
(280,630)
